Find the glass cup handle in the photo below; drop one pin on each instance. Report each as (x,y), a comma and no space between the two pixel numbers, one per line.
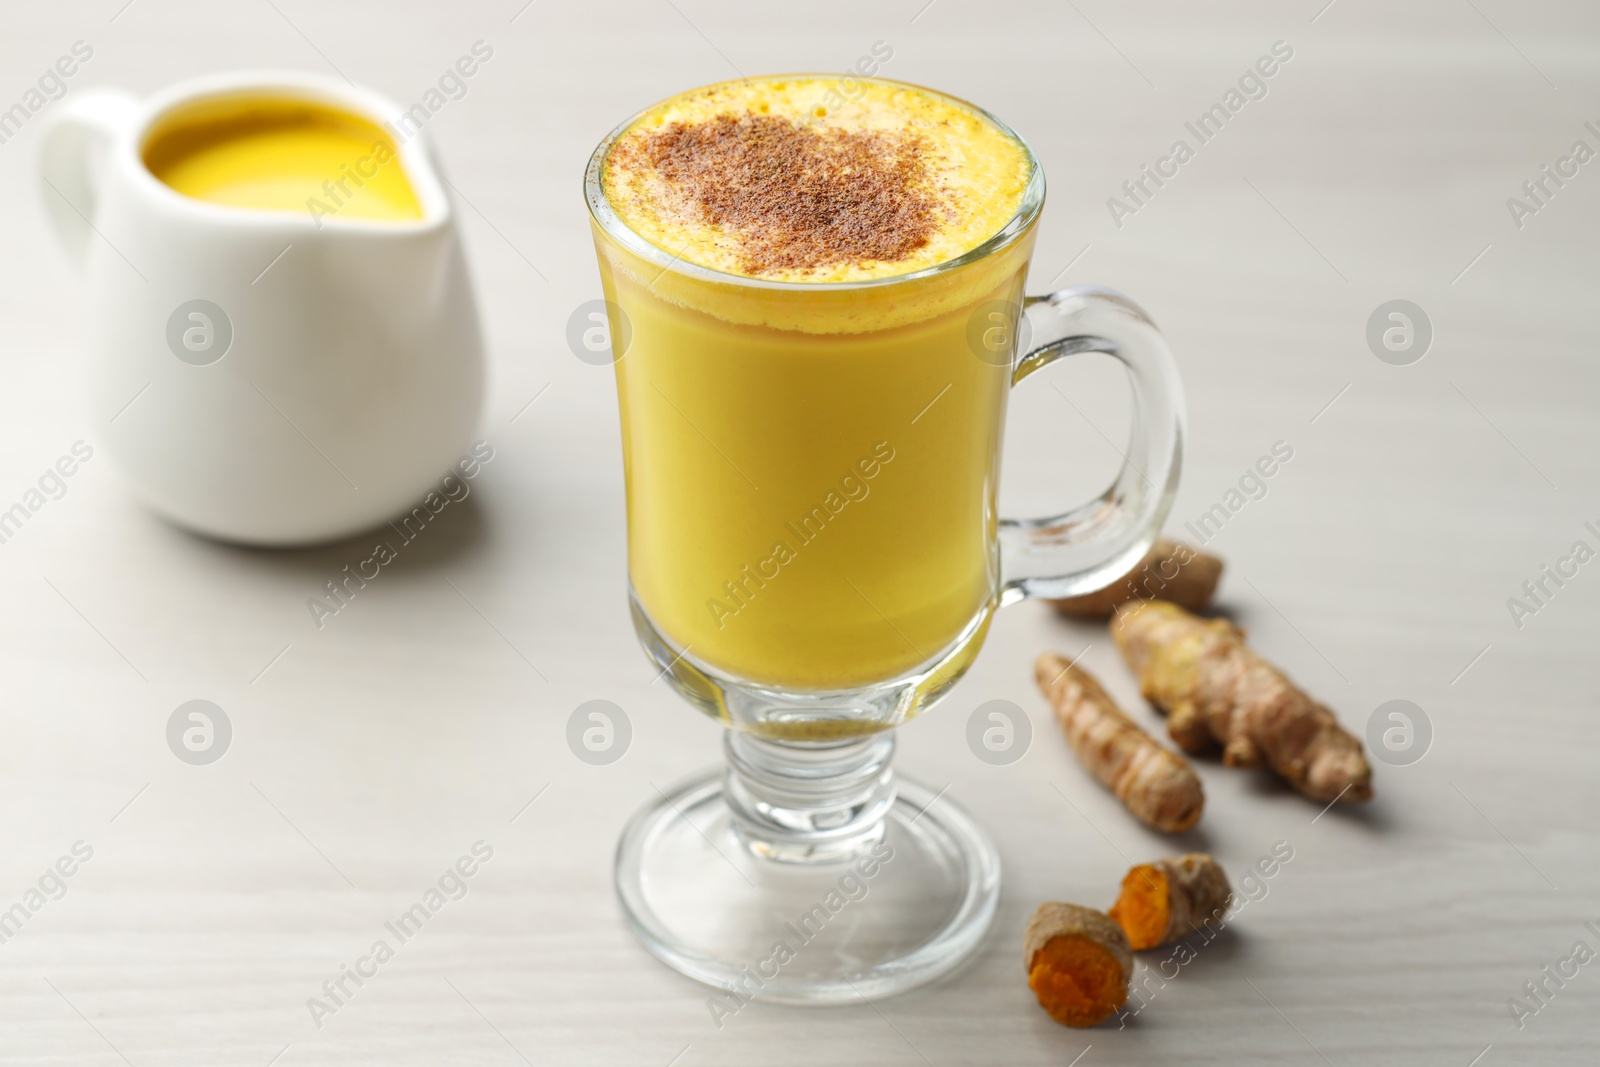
(1094,544)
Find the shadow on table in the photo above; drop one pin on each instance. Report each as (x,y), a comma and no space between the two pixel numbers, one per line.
(1373,815)
(456,531)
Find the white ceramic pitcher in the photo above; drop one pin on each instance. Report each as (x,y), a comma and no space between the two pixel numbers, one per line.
(265,377)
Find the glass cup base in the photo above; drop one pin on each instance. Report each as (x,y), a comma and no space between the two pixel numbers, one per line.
(910,906)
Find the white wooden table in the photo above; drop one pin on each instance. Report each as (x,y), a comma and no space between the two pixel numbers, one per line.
(369,755)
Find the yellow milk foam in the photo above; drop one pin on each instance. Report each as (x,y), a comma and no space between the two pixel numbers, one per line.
(977,172)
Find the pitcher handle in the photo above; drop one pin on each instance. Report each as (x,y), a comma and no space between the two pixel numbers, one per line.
(73,160)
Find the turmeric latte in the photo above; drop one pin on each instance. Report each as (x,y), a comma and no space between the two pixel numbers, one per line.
(811,466)
(791,179)
(271,153)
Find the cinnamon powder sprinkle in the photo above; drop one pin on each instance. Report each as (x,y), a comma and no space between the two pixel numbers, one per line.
(792,196)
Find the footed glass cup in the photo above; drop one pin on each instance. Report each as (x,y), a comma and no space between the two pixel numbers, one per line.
(814,558)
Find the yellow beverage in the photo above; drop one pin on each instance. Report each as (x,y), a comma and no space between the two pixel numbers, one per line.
(277,154)
(811,438)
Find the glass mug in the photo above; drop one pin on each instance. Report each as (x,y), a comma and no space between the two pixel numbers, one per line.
(815,556)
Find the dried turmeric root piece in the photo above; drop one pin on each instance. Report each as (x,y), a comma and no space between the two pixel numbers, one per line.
(1217,690)
(1157,786)
(1171,570)
(1078,963)
(1169,899)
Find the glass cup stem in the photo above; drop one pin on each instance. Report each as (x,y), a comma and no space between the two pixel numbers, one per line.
(809,802)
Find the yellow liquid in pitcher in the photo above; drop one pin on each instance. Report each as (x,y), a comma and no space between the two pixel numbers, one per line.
(812,470)
(275,154)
